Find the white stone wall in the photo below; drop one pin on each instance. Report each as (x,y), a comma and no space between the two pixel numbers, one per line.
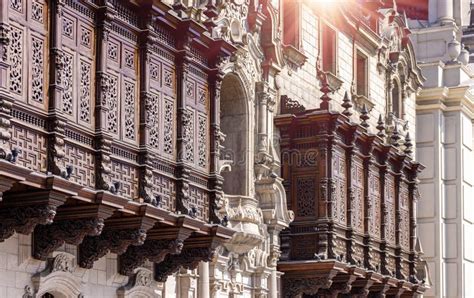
(445,215)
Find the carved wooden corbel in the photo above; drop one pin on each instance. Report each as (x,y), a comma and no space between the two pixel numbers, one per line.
(189,258)
(95,247)
(118,235)
(22,212)
(71,225)
(152,250)
(310,286)
(49,238)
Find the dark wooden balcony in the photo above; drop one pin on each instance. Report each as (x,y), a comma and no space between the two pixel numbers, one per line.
(107,109)
(354,197)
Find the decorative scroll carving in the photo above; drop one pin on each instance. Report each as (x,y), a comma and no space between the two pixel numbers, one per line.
(17,5)
(152,250)
(374,197)
(67,94)
(110,94)
(16,60)
(305,192)
(189,258)
(153,119)
(68,27)
(357,173)
(37,69)
(23,220)
(202,141)
(51,237)
(116,241)
(188,135)
(129,111)
(168,127)
(390,209)
(85,92)
(86,37)
(290,106)
(37,12)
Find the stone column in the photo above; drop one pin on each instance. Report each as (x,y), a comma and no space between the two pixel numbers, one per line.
(273,286)
(203,280)
(262,98)
(445,12)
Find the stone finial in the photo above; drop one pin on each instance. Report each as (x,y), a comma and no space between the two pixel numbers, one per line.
(325,89)
(347,105)
(364,116)
(381,127)
(395,137)
(408,144)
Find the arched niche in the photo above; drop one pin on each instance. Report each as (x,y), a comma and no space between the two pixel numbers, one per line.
(234,123)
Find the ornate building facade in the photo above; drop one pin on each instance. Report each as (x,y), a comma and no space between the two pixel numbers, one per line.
(145,149)
(442,39)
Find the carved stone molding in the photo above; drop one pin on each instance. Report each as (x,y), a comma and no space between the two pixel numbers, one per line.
(152,250)
(49,238)
(58,276)
(141,284)
(116,241)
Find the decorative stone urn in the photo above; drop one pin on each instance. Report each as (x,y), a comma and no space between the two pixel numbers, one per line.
(464,56)
(454,48)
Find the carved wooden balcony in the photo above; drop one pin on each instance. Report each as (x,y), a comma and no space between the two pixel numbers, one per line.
(354,198)
(106,113)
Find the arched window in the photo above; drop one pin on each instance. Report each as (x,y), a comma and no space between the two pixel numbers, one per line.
(396,100)
(234,124)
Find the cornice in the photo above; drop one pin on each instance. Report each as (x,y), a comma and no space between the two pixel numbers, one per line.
(447,99)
